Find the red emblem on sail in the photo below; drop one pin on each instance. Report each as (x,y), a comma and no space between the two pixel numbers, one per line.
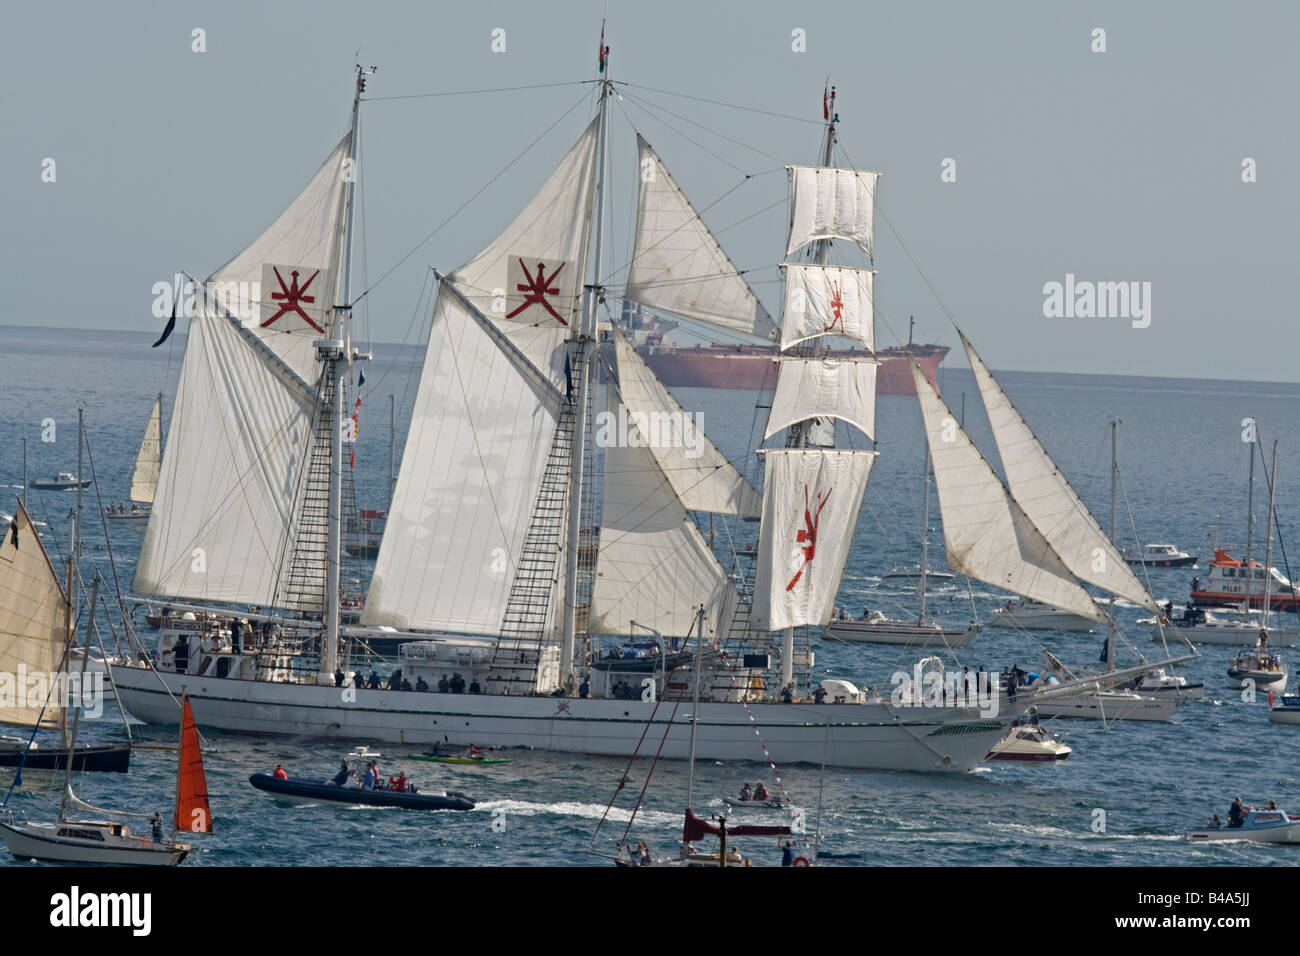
(837,306)
(807,535)
(538,288)
(291,295)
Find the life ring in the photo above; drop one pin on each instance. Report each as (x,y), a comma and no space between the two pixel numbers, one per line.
(167,659)
(801,861)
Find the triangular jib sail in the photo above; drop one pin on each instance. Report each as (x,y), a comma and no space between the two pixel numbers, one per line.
(986,533)
(1048,498)
(148,460)
(677,264)
(33,625)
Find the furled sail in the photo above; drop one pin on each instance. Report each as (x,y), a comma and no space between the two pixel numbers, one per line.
(810,509)
(824,388)
(986,533)
(677,264)
(33,623)
(485,417)
(654,567)
(148,460)
(829,203)
(529,281)
(828,300)
(1048,498)
(701,476)
(232,486)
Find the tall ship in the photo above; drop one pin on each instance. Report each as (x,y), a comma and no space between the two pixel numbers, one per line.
(755,366)
(515,446)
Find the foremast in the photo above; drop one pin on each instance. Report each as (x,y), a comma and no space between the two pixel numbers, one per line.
(582,345)
(335,353)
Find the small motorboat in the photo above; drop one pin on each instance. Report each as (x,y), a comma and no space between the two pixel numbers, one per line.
(1159,556)
(1263,668)
(1033,616)
(313,790)
(1260,826)
(1029,742)
(1285,709)
(135,514)
(1200,626)
(63,481)
(1161,683)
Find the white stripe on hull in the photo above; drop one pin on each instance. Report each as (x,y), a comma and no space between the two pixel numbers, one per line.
(870,735)
(905,634)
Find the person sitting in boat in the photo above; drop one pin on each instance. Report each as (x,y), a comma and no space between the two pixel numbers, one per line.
(279,773)
(866,612)
(1237,813)
(401,781)
(746,793)
(475,750)
(1272,805)
(341,778)
(421,684)
(760,793)
(372,775)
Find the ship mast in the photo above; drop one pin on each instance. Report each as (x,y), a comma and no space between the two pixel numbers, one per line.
(334,352)
(1250,527)
(799,432)
(583,343)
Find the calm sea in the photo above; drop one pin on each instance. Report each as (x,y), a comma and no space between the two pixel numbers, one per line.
(1184,480)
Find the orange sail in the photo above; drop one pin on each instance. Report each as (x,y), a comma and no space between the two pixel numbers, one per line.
(192,813)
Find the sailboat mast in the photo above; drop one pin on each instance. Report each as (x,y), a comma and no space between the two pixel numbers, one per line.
(74,551)
(695,712)
(392,448)
(1268,540)
(334,353)
(76,712)
(1114,481)
(584,339)
(1250,523)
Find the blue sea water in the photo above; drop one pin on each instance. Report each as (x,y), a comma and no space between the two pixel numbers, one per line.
(1123,797)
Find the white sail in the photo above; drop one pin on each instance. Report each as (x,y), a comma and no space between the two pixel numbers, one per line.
(1048,498)
(824,388)
(986,533)
(700,475)
(677,264)
(810,509)
(148,460)
(828,300)
(33,622)
(231,473)
(481,431)
(829,203)
(529,280)
(232,486)
(289,312)
(653,567)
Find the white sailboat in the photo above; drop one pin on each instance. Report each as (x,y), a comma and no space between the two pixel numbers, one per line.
(144,477)
(478,567)
(1033,537)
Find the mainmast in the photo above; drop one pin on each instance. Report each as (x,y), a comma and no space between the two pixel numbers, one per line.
(583,346)
(336,353)
(1250,526)
(1268,545)
(1114,481)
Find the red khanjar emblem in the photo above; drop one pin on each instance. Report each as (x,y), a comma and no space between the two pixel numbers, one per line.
(538,288)
(291,295)
(807,535)
(837,306)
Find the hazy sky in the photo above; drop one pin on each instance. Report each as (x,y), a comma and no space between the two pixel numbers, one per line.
(1123,165)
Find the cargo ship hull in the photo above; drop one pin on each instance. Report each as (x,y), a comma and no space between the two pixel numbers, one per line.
(752,367)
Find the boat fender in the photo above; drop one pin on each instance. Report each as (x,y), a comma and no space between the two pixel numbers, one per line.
(800,861)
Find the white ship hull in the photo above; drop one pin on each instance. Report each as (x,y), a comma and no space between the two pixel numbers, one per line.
(1111,707)
(1039,619)
(901,632)
(38,841)
(1232,633)
(870,735)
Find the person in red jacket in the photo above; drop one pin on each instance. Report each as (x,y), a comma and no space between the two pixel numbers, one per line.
(279,773)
